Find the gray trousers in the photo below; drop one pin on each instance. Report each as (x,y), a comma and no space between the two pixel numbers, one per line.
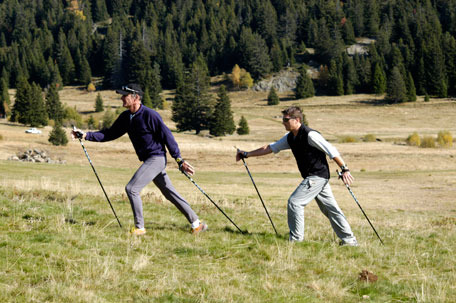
(153,169)
(317,188)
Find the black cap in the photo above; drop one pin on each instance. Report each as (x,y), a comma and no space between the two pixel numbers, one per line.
(132,88)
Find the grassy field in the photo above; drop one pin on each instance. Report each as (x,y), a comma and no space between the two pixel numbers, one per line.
(59,241)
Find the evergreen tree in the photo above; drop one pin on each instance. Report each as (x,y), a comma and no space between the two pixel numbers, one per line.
(91,124)
(304,85)
(4,98)
(410,86)
(53,105)
(155,86)
(273,98)
(22,102)
(396,91)
(349,74)
(65,61)
(379,80)
(99,107)
(58,136)
(243,128)
(37,113)
(99,10)
(435,69)
(254,52)
(192,106)
(146,100)
(222,122)
(335,81)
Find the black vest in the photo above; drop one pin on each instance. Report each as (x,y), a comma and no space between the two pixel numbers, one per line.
(311,161)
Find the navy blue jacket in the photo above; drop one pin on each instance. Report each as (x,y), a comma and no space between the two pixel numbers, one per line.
(146,130)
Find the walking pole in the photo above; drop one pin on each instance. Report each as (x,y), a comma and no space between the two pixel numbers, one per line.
(79,136)
(356,200)
(261,199)
(190,178)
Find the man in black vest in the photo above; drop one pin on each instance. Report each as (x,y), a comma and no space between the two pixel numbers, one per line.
(310,150)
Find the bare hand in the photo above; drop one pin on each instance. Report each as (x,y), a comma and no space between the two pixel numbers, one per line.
(186,167)
(347,178)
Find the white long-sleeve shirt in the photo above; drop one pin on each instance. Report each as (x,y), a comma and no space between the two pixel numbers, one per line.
(314,138)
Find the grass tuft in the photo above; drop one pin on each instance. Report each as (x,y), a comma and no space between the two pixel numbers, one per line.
(427,142)
(445,139)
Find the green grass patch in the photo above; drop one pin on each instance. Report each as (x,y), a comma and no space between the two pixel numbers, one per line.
(60,248)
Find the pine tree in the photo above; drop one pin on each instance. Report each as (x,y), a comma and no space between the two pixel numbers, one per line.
(273,98)
(146,100)
(64,60)
(53,105)
(243,128)
(58,135)
(410,86)
(254,52)
(155,86)
(222,122)
(4,98)
(192,106)
(91,123)
(396,91)
(99,104)
(349,74)
(22,102)
(304,85)
(379,80)
(37,112)
(99,10)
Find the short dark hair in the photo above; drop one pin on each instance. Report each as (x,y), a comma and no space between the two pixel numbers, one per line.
(294,112)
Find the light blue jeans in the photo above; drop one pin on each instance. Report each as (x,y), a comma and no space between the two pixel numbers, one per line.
(317,188)
(153,169)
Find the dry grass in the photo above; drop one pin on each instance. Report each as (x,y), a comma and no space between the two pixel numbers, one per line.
(408,193)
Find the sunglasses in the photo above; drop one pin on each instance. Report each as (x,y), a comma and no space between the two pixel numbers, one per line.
(287,119)
(133,91)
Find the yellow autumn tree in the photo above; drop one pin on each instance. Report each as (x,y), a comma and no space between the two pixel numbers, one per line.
(236,76)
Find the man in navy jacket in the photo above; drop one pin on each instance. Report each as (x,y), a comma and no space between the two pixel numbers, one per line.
(150,138)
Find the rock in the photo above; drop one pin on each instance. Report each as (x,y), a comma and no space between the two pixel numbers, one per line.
(284,81)
(35,155)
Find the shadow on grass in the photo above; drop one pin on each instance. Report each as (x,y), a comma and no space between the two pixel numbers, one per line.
(376,102)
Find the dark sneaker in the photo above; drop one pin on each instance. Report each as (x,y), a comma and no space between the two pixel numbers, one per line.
(202,227)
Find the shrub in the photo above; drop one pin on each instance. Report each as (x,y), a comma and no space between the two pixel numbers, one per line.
(243,128)
(427,142)
(1,137)
(99,104)
(91,87)
(369,138)
(348,139)
(72,117)
(413,140)
(445,139)
(58,136)
(273,98)
(426,98)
